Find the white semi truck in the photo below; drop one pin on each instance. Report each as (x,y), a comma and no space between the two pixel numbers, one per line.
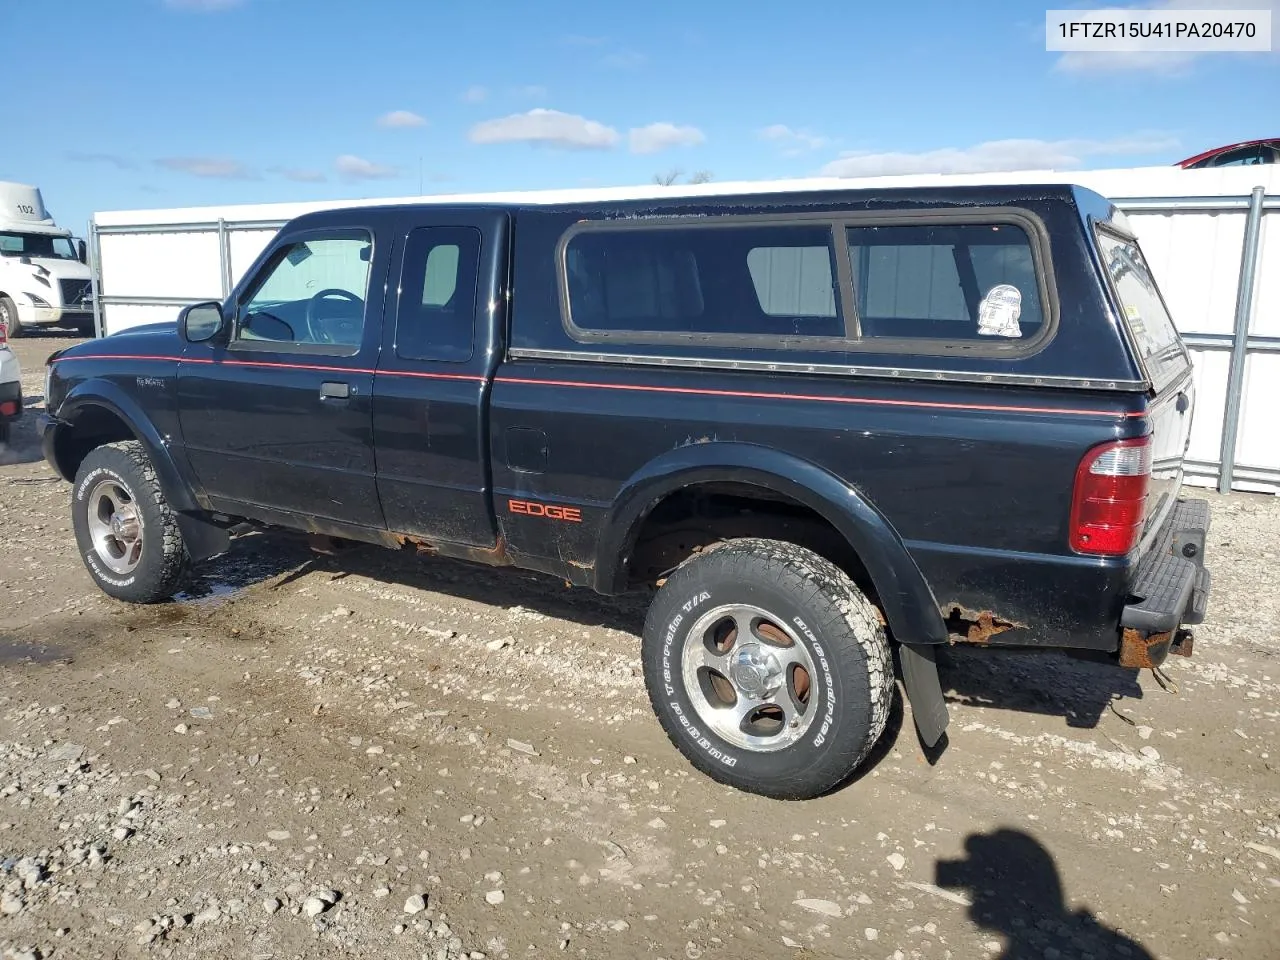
(44,275)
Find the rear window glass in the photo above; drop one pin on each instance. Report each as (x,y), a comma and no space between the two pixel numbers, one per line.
(773,280)
(945,282)
(1144,311)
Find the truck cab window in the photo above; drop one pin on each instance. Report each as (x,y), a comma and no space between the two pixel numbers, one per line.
(435,319)
(36,245)
(313,293)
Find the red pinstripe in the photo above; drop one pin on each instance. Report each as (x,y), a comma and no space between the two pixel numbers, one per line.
(639,387)
(870,401)
(323,368)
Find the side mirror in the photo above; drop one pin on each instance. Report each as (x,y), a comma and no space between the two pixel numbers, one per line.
(82,251)
(200,322)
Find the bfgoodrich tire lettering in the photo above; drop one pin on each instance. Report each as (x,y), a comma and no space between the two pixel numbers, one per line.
(157,570)
(768,669)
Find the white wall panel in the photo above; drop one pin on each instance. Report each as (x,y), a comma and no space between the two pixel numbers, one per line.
(122,316)
(1258,443)
(1209,373)
(1266,291)
(161,265)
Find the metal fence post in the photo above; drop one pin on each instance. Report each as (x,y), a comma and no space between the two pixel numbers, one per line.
(95,279)
(1240,343)
(224,258)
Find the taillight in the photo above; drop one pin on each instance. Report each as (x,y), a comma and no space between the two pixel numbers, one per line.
(4,332)
(1109,503)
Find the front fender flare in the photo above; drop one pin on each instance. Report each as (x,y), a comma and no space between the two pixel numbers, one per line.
(202,538)
(908,604)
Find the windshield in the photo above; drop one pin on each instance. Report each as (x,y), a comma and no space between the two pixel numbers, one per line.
(1144,310)
(36,245)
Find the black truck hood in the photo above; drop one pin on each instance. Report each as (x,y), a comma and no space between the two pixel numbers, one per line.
(149,339)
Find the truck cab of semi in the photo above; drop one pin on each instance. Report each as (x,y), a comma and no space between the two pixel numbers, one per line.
(44,273)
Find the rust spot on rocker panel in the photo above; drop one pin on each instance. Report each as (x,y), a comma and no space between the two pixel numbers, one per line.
(977,626)
(1143,650)
(495,556)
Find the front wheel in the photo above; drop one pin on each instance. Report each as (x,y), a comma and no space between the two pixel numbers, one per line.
(9,317)
(768,668)
(127,534)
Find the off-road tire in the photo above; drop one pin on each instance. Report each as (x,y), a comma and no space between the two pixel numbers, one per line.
(841,632)
(163,565)
(10,311)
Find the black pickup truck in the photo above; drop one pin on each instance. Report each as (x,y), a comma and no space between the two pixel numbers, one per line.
(824,427)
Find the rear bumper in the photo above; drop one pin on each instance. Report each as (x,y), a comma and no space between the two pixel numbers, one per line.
(10,401)
(1171,588)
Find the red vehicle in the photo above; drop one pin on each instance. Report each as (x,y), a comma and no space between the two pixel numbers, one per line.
(1246,153)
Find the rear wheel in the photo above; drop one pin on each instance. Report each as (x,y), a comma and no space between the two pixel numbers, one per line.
(768,668)
(9,317)
(127,534)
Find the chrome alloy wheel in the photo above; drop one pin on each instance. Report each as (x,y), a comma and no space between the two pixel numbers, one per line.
(115,526)
(749,677)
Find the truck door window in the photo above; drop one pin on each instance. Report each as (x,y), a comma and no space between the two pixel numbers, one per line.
(311,297)
(435,319)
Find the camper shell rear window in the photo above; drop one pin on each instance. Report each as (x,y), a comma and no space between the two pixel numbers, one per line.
(1142,308)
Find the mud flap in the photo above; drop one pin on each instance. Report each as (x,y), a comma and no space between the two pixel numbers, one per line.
(924,691)
(201,538)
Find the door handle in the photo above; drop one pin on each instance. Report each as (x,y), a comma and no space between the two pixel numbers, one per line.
(334,391)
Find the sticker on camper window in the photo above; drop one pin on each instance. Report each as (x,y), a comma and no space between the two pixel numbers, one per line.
(999,311)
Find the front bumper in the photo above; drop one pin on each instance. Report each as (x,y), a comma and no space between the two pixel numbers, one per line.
(46,433)
(52,315)
(1171,589)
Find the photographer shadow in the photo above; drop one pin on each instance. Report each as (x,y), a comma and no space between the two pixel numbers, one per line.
(1016,892)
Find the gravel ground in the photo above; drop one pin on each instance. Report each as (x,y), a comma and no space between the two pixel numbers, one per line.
(361,756)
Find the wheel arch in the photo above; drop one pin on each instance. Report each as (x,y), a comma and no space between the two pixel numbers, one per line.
(907,602)
(97,412)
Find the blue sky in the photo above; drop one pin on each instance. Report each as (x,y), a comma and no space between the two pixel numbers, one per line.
(113,104)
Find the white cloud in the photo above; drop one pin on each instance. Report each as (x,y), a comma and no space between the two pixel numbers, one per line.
(303,176)
(549,127)
(203,6)
(213,168)
(793,142)
(357,168)
(1159,63)
(114,159)
(401,118)
(475,94)
(996,155)
(657,137)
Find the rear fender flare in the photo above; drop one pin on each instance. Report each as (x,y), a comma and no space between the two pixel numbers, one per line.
(909,605)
